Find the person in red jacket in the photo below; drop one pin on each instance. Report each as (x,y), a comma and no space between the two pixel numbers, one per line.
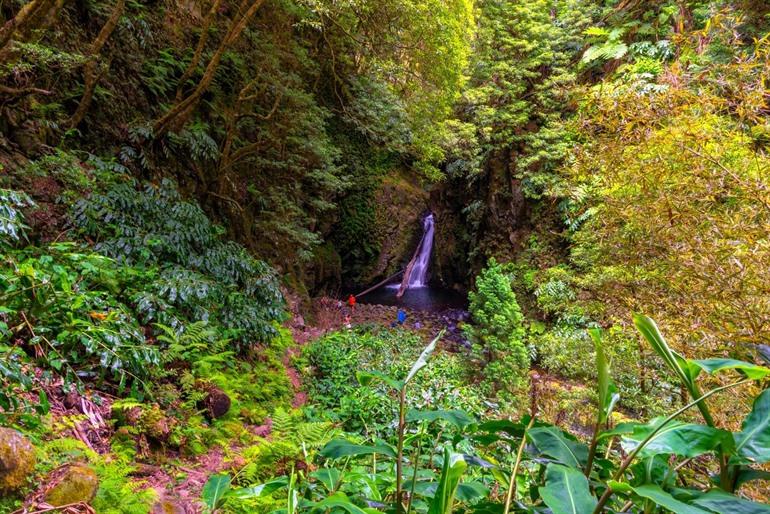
(352,303)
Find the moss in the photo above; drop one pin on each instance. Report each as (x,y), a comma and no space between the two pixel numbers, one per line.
(79,484)
(17,460)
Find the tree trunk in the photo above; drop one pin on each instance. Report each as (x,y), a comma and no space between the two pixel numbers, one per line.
(90,75)
(208,20)
(183,108)
(53,12)
(21,21)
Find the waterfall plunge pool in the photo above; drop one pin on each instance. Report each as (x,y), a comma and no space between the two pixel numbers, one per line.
(417,298)
(418,294)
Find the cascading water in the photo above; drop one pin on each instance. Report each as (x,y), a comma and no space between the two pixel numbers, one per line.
(419,275)
(413,290)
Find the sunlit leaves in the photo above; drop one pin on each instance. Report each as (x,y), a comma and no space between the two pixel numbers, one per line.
(753,442)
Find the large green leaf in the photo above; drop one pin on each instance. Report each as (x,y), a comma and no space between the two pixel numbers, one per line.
(471,491)
(721,502)
(665,500)
(367,377)
(554,443)
(341,501)
(566,491)
(458,418)
(746,474)
(341,448)
(512,428)
(328,477)
(753,441)
(259,490)
(684,369)
(451,472)
(608,392)
(677,438)
(214,490)
(422,360)
(751,371)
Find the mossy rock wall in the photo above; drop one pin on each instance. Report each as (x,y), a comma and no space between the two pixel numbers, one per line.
(400,204)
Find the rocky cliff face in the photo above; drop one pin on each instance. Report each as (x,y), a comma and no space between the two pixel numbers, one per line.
(400,205)
(486,216)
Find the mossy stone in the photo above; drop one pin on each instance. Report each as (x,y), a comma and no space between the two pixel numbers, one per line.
(17,460)
(79,484)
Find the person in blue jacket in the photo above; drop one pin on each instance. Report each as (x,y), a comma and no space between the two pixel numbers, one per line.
(401,316)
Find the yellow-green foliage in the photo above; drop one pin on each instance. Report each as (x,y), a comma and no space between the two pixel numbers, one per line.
(679,224)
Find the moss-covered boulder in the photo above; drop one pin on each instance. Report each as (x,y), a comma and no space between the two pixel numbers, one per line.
(78,484)
(17,460)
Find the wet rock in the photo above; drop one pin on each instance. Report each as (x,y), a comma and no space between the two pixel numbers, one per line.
(217,403)
(78,484)
(17,459)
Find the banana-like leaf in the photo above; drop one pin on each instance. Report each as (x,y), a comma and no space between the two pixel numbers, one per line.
(751,371)
(566,491)
(752,443)
(214,490)
(367,377)
(471,491)
(451,472)
(665,500)
(608,392)
(745,475)
(512,428)
(341,501)
(259,490)
(342,448)
(677,438)
(684,369)
(721,502)
(458,418)
(422,361)
(328,477)
(555,444)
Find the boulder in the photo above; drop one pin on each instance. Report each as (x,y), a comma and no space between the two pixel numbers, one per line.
(78,484)
(17,460)
(217,402)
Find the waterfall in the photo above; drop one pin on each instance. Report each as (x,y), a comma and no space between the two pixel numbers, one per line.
(418,277)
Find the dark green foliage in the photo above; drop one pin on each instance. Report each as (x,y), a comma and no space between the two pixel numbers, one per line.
(448,461)
(71,307)
(11,221)
(201,275)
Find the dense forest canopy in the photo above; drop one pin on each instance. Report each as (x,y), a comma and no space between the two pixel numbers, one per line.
(193,195)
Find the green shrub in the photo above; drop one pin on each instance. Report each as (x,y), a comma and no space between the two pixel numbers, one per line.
(67,302)
(201,275)
(336,358)
(497,332)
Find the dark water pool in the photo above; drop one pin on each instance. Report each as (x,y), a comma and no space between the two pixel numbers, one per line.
(422,298)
